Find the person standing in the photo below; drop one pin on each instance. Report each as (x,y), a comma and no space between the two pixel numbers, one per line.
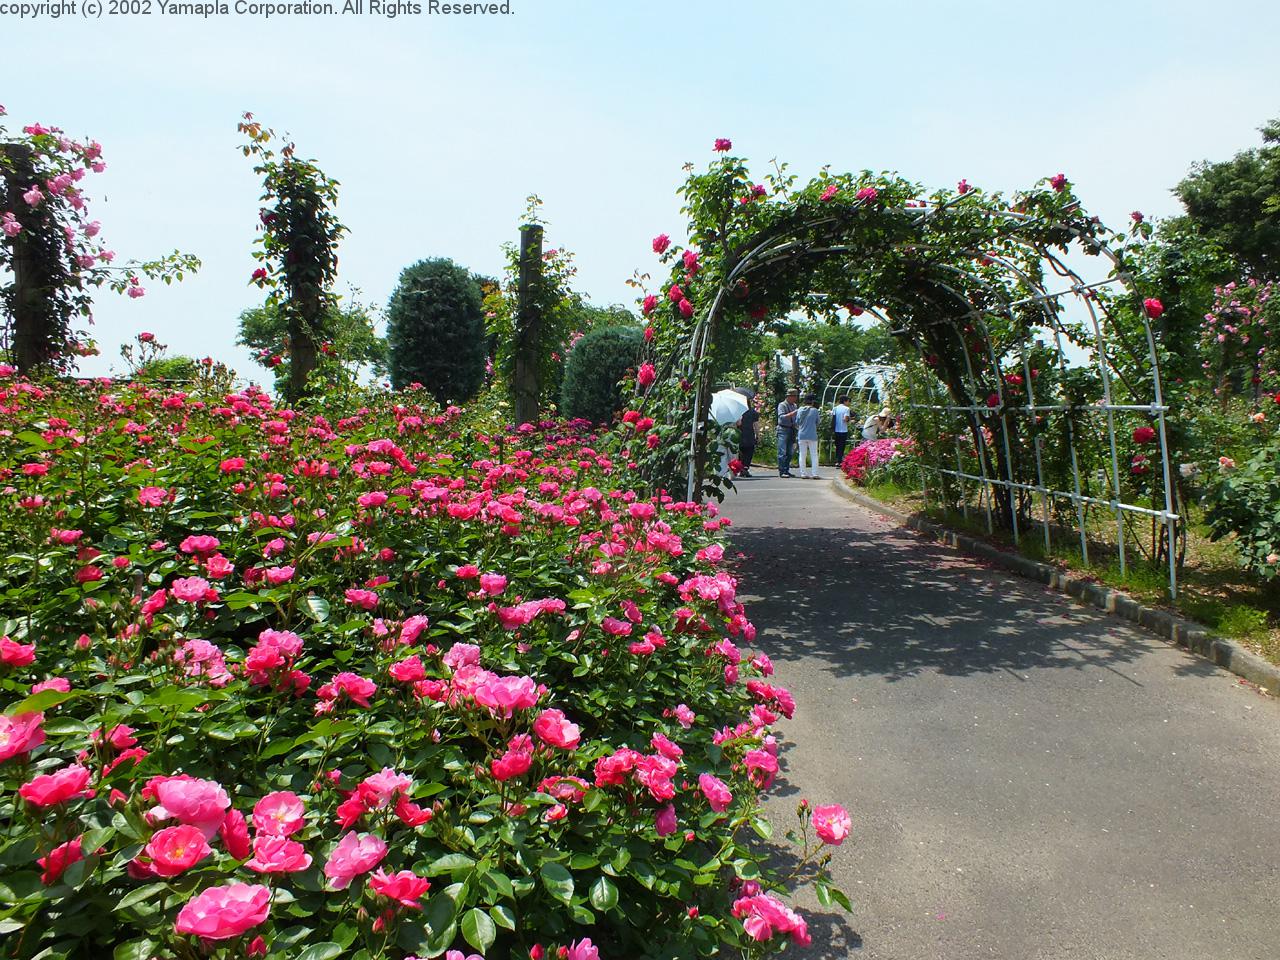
(840,426)
(787,431)
(747,437)
(807,436)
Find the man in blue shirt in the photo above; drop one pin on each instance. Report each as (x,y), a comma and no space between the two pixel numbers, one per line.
(807,436)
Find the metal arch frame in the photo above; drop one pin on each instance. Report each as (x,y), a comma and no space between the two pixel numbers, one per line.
(788,246)
(847,380)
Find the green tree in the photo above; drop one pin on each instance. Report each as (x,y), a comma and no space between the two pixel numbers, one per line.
(349,346)
(436,330)
(597,363)
(298,246)
(1237,203)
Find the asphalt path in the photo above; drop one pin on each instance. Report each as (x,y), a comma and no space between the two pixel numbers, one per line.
(1028,778)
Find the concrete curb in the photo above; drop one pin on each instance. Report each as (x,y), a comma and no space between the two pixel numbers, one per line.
(1167,626)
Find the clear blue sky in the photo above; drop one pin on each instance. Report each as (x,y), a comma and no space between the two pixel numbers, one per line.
(438,127)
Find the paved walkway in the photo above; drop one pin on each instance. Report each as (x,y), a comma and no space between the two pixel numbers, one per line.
(1029,779)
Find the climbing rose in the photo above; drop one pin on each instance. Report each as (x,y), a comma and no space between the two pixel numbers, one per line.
(661,242)
(221,913)
(650,304)
(686,309)
(356,853)
(1144,435)
(583,949)
(1058,182)
(867,193)
(665,822)
(646,375)
(235,834)
(831,824)
(829,193)
(1153,307)
(723,144)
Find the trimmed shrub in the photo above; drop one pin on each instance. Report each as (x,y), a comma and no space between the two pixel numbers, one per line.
(596,364)
(435,331)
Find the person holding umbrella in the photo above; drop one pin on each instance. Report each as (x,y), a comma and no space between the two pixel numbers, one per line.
(787,431)
(747,438)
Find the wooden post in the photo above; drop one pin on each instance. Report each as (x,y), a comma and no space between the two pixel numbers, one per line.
(528,372)
(31,334)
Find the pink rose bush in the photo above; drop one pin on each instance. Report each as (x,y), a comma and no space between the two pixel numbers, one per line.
(335,664)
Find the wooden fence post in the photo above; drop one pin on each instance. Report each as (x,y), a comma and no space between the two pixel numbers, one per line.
(528,372)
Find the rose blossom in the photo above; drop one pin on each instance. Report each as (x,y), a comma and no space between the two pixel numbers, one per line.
(554,728)
(404,887)
(278,854)
(716,792)
(831,823)
(356,853)
(50,789)
(279,814)
(20,733)
(175,850)
(221,913)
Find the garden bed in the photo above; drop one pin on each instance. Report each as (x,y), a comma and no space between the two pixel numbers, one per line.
(378,683)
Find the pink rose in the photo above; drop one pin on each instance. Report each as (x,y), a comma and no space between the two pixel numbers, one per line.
(235,834)
(660,243)
(1153,307)
(716,792)
(50,789)
(831,824)
(646,375)
(20,733)
(197,803)
(278,854)
(405,887)
(504,695)
(492,583)
(552,727)
(665,820)
(152,496)
(175,850)
(56,861)
(190,589)
(722,144)
(279,814)
(221,913)
(355,854)
(14,654)
(582,949)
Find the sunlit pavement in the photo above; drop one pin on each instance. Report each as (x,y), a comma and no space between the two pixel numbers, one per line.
(1028,778)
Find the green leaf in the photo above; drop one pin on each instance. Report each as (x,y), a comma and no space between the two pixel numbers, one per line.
(141,895)
(557,880)
(135,950)
(321,951)
(478,929)
(448,863)
(503,916)
(604,895)
(317,608)
(42,701)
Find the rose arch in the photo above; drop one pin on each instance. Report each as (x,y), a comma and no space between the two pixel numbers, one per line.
(1035,393)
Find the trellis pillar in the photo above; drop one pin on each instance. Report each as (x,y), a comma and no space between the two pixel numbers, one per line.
(528,369)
